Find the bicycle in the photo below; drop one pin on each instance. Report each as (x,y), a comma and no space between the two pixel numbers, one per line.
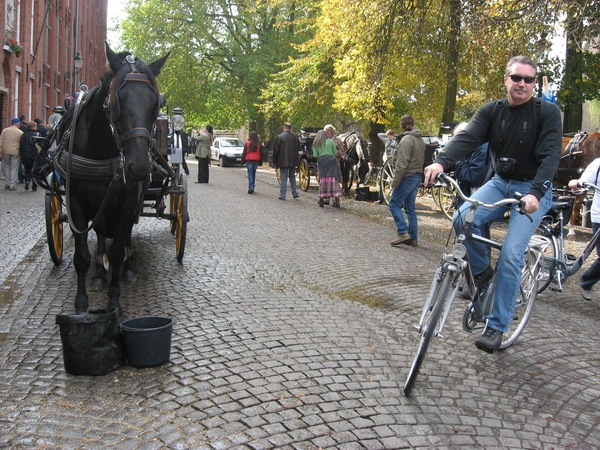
(558,265)
(455,266)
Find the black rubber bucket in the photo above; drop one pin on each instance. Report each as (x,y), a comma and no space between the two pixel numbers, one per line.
(147,340)
(92,343)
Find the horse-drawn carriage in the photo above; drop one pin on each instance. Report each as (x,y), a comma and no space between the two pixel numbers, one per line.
(168,185)
(354,162)
(307,163)
(110,160)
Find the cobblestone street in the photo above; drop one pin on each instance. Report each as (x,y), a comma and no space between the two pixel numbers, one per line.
(294,329)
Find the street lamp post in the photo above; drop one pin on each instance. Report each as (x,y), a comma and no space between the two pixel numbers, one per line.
(77,65)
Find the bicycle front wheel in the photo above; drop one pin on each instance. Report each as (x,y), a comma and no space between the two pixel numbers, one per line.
(550,255)
(428,330)
(531,274)
(385,181)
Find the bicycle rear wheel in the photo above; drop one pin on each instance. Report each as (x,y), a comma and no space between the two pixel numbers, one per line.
(428,330)
(531,274)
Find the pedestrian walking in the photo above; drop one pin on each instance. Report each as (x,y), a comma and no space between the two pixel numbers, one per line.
(203,142)
(591,276)
(330,175)
(10,143)
(285,157)
(252,158)
(28,150)
(407,178)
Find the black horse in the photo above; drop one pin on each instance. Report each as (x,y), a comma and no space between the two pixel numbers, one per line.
(355,157)
(105,160)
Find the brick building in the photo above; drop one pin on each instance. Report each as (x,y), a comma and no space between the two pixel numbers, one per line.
(50,47)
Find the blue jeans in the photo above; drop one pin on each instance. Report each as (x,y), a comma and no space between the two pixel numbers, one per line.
(251,166)
(592,275)
(406,194)
(510,261)
(285,173)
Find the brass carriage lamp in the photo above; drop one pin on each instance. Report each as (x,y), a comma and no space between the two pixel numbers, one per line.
(178,124)
(177,120)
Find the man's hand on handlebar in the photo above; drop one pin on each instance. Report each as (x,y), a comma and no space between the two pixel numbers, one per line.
(431,173)
(530,204)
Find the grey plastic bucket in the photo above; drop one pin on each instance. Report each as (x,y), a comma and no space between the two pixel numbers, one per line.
(92,343)
(147,340)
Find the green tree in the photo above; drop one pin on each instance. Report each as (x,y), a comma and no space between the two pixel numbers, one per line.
(222,52)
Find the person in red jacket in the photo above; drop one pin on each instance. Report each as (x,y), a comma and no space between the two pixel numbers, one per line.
(252,157)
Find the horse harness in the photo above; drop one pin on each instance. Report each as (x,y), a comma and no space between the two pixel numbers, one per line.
(112,169)
(573,151)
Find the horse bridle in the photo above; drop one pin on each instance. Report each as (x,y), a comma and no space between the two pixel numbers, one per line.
(113,109)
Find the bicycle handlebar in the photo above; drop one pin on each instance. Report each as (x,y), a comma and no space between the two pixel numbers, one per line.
(444,177)
(587,186)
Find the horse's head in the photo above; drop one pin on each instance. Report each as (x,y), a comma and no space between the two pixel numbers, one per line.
(132,107)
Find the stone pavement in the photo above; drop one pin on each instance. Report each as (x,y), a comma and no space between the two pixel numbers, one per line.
(294,330)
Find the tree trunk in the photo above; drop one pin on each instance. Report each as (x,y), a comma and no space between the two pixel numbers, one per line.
(573,80)
(452,63)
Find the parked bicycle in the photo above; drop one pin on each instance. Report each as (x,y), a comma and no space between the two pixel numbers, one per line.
(559,265)
(455,268)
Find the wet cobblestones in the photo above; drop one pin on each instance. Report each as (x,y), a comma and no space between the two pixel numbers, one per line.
(294,330)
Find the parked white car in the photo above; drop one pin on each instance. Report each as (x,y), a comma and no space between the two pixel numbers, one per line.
(227,150)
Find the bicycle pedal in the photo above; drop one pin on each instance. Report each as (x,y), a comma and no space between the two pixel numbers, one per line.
(571,257)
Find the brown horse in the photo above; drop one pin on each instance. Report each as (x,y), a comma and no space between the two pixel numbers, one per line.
(578,151)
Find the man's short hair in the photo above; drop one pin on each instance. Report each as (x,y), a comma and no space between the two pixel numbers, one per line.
(407,120)
(521,59)
(287,126)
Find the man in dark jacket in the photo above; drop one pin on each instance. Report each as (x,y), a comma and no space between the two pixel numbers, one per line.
(285,157)
(525,136)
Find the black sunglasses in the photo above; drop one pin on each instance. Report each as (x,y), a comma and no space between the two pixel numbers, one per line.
(518,78)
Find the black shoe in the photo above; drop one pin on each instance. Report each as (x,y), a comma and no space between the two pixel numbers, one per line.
(321,202)
(34,187)
(27,186)
(411,242)
(483,278)
(296,196)
(336,202)
(490,340)
(250,191)
(586,294)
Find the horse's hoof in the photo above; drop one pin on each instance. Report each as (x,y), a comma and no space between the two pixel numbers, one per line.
(129,276)
(98,284)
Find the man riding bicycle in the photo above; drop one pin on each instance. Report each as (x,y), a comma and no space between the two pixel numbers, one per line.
(525,136)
